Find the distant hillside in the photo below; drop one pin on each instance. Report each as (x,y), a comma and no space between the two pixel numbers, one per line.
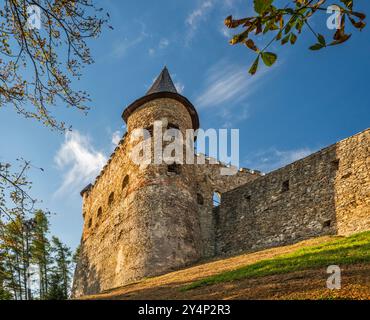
(291,272)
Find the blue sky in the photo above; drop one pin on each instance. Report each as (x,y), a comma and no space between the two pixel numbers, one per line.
(307,101)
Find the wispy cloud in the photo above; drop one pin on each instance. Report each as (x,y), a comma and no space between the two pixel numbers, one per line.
(79,161)
(226,32)
(273,158)
(163,44)
(116,137)
(227,83)
(195,17)
(120,48)
(179,87)
(232,118)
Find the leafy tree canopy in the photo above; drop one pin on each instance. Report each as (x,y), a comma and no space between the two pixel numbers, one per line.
(286,24)
(42,49)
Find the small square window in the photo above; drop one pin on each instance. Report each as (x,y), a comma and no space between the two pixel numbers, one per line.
(174,168)
(335,164)
(327,224)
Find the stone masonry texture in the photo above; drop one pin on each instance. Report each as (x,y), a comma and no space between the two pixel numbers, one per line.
(326,193)
(146,221)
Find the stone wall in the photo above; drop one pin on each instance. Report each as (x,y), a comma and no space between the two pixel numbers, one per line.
(352,184)
(210,181)
(142,221)
(326,193)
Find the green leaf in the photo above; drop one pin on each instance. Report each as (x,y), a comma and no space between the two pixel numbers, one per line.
(316,46)
(250,44)
(321,39)
(348,3)
(260,6)
(269,58)
(285,39)
(239,37)
(254,66)
(278,36)
(343,38)
(293,38)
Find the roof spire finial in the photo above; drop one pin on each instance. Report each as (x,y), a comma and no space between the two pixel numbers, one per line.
(163,83)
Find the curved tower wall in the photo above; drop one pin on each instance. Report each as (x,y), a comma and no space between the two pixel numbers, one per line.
(162,203)
(151,224)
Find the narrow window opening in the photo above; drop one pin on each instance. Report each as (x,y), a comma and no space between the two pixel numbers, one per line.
(111,199)
(150,130)
(125,182)
(286,186)
(249,198)
(200,199)
(90,223)
(100,213)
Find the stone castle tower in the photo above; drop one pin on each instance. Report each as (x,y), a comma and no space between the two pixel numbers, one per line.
(142,221)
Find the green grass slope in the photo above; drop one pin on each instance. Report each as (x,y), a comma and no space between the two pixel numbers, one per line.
(341,251)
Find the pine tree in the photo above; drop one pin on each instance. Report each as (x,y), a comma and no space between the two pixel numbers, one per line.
(40,251)
(56,290)
(62,267)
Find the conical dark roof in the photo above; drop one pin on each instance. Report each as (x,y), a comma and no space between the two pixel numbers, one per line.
(163,87)
(163,83)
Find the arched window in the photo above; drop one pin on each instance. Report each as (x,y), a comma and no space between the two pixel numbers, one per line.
(125,182)
(216,199)
(111,199)
(200,199)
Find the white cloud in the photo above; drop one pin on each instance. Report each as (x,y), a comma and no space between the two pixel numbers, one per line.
(79,161)
(179,87)
(164,43)
(116,137)
(227,83)
(195,17)
(273,158)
